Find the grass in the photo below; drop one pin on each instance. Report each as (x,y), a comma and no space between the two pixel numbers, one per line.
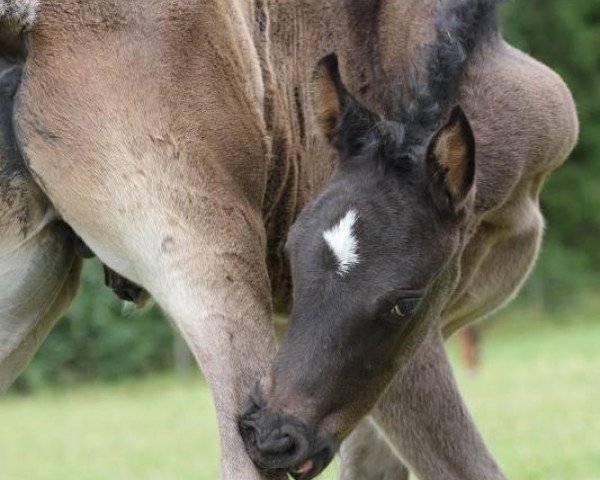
(536,399)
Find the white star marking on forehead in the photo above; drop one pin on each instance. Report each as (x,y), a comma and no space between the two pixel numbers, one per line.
(343,243)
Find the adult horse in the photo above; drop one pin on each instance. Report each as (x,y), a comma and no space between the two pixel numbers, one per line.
(179,141)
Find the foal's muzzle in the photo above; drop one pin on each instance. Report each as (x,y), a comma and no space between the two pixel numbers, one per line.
(282,443)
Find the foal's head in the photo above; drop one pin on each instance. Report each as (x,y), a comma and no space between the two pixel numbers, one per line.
(368,262)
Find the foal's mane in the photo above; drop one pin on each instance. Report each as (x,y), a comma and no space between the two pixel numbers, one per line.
(461,27)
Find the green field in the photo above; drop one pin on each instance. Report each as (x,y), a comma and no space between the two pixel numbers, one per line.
(536,398)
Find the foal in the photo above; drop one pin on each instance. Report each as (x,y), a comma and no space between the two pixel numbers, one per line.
(404,244)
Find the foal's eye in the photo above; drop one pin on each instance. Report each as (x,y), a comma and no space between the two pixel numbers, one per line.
(397,307)
(405,307)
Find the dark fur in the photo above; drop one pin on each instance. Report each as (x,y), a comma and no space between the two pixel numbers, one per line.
(462,26)
(13,174)
(10,78)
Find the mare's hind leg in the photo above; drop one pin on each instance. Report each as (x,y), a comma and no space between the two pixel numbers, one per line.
(39,279)
(365,455)
(208,274)
(159,208)
(39,271)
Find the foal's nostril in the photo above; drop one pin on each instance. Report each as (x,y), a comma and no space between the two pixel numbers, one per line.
(276,444)
(279,448)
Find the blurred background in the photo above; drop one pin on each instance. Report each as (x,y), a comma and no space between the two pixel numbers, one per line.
(114,394)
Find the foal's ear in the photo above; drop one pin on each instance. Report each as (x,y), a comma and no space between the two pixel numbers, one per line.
(342,119)
(451,160)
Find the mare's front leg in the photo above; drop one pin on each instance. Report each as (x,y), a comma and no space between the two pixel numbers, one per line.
(424,417)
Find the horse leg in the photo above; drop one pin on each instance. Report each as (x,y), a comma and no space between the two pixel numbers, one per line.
(39,270)
(212,282)
(164,181)
(200,253)
(366,455)
(424,417)
(217,296)
(39,279)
